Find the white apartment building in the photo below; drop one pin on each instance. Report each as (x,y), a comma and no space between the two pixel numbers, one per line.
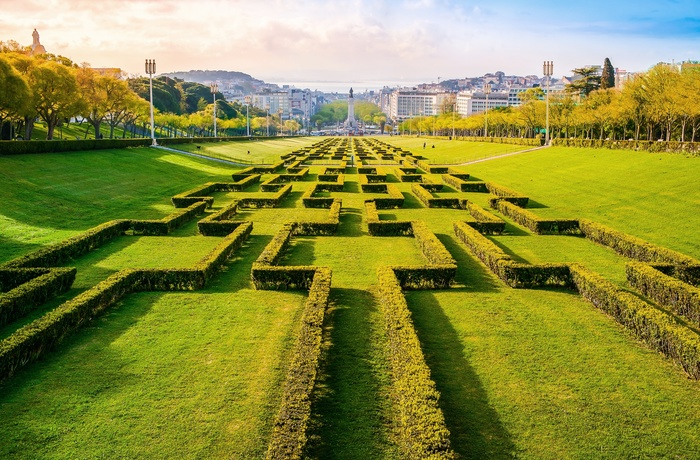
(406,103)
(470,103)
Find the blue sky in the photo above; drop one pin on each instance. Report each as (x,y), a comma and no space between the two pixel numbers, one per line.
(405,41)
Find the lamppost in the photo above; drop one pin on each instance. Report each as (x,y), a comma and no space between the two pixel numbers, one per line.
(487,91)
(247,118)
(214,88)
(150,70)
(267,118)
(548,70)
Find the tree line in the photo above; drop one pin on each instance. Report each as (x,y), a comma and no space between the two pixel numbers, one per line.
(57,91)
(660,104)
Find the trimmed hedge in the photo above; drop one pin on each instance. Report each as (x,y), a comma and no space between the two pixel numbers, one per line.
(535,224)
(679,297)
(23,147)
(169,223)
(310,201)
(421,430)
(631,246)
(43,334)
(190,197)
(34,287)
(71,248)
(427,167)
(378,227)
(289,437)
(506,194)
(407,175)
(326,227)
(395,199)
(486,222)
(431,202)
(653,326)
(265,202)
(643,146)
(220,223)
(514,274)
(430,245)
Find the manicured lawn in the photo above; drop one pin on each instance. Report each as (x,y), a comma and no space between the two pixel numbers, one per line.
(522,373)
(249,151)
(451,152)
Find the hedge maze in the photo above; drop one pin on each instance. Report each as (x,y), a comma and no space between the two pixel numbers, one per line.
(660,304)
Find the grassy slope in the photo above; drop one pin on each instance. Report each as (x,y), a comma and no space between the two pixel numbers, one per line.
(537,374)
(450,152)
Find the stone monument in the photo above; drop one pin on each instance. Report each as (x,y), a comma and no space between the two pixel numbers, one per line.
(350,122)
(37,48)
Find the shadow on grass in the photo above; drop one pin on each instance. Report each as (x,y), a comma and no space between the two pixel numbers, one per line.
(351,187)
(347,406)
(11,249)
(411,202)
(351,223)
(290,201)
(532,204)
(510,252)
(471,274)
(475,428)
(515,230)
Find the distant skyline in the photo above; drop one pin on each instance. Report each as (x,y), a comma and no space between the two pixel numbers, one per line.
(400,41)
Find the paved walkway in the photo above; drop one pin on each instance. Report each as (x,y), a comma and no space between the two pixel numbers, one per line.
(502,156)
(229,162)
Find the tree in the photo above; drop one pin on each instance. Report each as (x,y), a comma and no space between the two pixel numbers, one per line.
(56,94)
(94,94)
(586,80)
(16,95)
(607,79)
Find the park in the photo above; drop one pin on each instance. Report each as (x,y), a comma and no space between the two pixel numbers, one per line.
(350,297)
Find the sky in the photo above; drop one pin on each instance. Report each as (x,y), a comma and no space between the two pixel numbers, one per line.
(373,42)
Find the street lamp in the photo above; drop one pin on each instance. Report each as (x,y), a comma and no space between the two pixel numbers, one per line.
(454,109)
(487,91)
(150,70)
(267,118)
(247,118)
(548,70)
(214,88)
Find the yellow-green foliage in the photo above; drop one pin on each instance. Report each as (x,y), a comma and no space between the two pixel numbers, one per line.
(631,246)
(289,433)
(420,425)
(679,297)
(653,326)
(533,222)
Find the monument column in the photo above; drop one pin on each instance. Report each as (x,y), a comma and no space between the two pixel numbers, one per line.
(350,122)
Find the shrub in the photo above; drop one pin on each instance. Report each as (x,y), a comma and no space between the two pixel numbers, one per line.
(169,223)
(486,222)
(378,227)
(513,274)
(429,201)
(540,226)
(34,287)
(631,246)
(73,247)
(431,247)
(325,227)
(658,329)
(264,202)
(190,197)
(395,199)
(679,297)
(506,194)
(24,147)
(421,430)
(289,432)
(407,174)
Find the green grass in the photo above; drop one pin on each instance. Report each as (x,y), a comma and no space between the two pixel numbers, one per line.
(451,152)
(522,373)
(249,151)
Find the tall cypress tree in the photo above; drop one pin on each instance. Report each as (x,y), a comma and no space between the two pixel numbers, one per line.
(607,80)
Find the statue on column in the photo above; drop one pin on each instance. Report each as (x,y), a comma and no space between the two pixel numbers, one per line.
(37,47)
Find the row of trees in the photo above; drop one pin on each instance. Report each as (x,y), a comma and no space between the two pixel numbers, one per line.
(337,112)
(55,90)
(659,104)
